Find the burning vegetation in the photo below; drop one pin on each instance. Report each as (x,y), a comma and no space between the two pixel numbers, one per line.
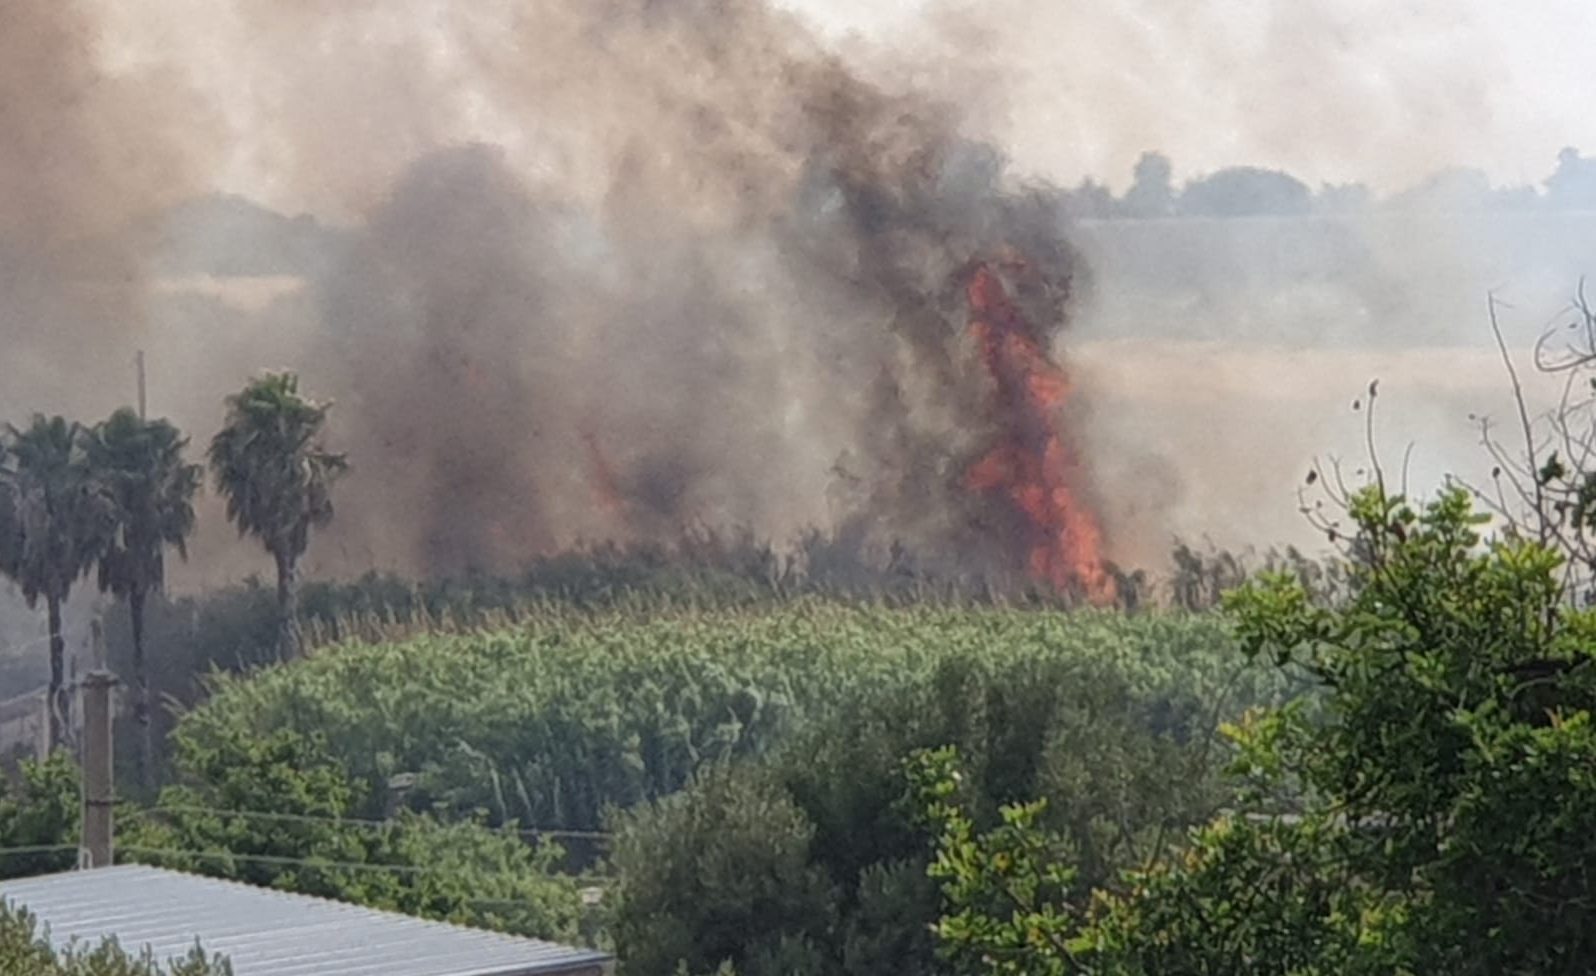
(1033,466)
(737,299)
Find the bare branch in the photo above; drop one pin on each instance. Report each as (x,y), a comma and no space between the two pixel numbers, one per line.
(1524,419)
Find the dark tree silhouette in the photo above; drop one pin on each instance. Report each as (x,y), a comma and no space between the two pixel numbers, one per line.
(270,465)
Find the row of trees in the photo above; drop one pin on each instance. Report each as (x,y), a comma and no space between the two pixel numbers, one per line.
(115,496)
(1244,191)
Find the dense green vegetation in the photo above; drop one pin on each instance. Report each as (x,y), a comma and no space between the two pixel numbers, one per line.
(553,722)
(39,811)
(747,760)
(277,810)
(750,757)
(1438,815)
(714,757)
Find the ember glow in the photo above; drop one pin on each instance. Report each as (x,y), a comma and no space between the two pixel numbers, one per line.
(1032,465)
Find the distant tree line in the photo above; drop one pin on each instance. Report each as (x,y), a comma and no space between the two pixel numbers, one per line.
(1252,191)
(234,629)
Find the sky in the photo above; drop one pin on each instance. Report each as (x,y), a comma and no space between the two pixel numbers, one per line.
(1335,90)
(1331,90)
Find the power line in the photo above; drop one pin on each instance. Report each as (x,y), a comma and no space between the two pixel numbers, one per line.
(37,849)
(368,824)
(279,861)
(282,861)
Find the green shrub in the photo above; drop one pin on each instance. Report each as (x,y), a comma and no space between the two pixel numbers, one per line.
(1436,815)
(39,810)
(719,873)
(276,811)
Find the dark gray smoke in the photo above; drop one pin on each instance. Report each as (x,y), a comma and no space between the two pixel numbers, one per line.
(517,372)
(580,270)
(584,269)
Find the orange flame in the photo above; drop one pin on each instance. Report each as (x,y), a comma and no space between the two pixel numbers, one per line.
(1033,466)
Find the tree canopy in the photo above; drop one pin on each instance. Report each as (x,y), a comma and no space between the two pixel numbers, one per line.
(149,487)
(1432,810)
(55,523)
(270,465)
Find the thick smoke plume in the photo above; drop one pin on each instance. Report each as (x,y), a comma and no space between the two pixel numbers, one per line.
(586,269)
(604,270)
(759,323)
(83,160)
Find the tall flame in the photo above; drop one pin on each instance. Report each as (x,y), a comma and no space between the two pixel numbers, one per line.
(1033,466)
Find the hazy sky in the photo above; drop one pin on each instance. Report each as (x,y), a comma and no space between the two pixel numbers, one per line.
(1333,90)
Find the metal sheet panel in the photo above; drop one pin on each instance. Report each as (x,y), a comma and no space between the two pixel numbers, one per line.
(273,933)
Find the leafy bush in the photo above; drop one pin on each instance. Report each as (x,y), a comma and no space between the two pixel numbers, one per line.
(39,809)
(1099,713)
(1437,815)
(706,878)
(275,811)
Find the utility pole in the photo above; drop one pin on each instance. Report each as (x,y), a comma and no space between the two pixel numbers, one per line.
(142,402)
(98,792)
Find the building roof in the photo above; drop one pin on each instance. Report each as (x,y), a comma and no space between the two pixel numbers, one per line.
(272,933)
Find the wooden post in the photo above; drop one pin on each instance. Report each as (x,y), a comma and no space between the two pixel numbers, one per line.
(97,754)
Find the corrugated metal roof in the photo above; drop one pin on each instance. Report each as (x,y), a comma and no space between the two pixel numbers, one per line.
(272,933)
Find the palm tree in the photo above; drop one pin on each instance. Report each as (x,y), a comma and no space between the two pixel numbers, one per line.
(268,462)
(55,523)
(139,467)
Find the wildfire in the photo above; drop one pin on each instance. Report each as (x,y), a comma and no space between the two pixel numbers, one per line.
(1032,466)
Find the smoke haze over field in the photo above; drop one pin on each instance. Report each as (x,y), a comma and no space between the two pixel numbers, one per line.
(580,269)
(1332,90)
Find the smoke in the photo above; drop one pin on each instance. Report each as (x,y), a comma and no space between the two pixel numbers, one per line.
(84,158)
(586,269)
(576,270)
(745,311)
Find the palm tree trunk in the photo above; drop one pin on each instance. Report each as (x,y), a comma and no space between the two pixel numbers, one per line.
(141,689)
(288,635)
(58,693)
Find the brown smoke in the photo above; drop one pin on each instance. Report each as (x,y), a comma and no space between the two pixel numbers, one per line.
(84,156)
(725,290)
(608,268)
